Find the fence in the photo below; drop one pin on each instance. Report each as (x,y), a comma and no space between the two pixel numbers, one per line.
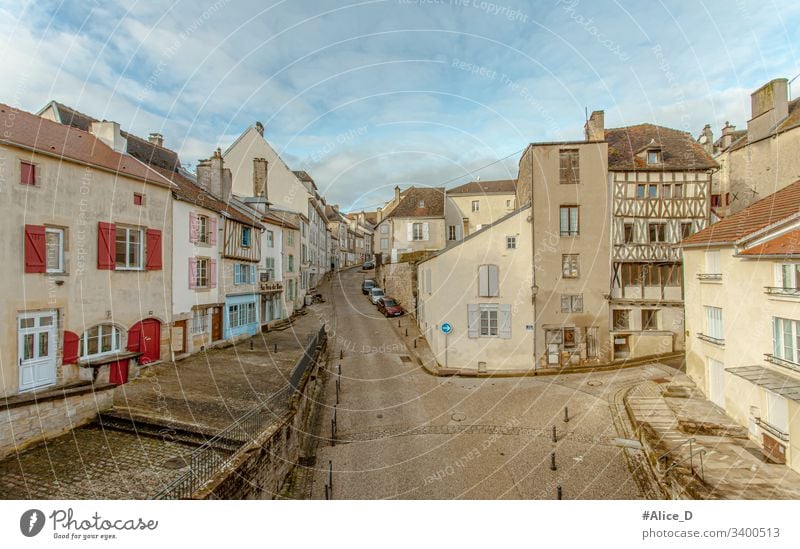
(216,453)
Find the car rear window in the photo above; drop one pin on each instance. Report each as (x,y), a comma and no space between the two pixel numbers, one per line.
(369,283)
(377,291)
(389,302)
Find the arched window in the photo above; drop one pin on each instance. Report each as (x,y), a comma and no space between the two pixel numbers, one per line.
(100,340)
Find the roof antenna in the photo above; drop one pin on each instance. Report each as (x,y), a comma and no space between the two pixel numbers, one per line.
(478,178)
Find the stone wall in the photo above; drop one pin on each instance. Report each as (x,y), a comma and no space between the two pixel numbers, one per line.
(398,280)
(25,420)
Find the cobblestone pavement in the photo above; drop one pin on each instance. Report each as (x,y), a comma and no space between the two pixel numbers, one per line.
(204,394)
(403,433)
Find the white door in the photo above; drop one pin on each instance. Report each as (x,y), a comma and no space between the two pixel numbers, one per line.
(716,382)
(37,349)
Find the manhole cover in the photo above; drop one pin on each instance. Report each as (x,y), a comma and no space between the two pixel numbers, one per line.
(458,416)
(594,383)
(175,463)
(405,358)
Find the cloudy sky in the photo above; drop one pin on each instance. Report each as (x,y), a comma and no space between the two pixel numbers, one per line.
(372,94)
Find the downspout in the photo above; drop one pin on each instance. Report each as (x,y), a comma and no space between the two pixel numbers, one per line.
(533,256)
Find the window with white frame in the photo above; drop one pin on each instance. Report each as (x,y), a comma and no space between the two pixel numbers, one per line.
(649,319)
(270,268)
(202,229)
(488,326)
(201,277)
(713,262)
(385,228)
(714,322)
(129,248)
(511,242)
(243,273)
(569,265)
(788,276)
(270,239)
(571,303)
(54,249)
(568,220)
(476,205)
(290,238)
(200,321)
(241,314)
(290,264)
(786,339)
(417,233)
(100,340)
(657,232)
(488,281)
(384,243)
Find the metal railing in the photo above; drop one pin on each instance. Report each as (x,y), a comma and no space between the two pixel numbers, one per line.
(205,461)
(689,458)
(709,276)
(771,429)
(781,291)
(782,362)
(710,339)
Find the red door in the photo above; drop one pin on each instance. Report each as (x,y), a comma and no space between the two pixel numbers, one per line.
(145,337)
(119,372)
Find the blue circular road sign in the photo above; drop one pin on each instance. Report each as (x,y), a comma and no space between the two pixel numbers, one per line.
(447,328)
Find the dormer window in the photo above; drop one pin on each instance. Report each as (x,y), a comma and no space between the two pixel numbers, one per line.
(653,156)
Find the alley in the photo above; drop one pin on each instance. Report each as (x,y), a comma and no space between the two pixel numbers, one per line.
(403,433)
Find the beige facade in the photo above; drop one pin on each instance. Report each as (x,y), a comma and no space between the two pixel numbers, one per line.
(481,287)
(482,203)
(570,250)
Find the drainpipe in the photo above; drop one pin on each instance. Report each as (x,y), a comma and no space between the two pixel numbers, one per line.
(533,257)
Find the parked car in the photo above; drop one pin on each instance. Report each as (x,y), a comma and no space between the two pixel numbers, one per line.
(368,265)
(389,307)
(375,294)
(367,285)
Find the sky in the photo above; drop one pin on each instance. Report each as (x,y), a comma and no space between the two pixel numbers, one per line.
(367,95)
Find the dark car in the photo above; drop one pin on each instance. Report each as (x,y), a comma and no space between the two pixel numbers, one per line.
(389,307)
(367,286)
(368,265)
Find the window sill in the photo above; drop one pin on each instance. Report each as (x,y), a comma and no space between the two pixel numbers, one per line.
(786,293)
(714,278)
(107,358)
(130,269)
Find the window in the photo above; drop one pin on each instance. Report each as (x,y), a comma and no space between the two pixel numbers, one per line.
(451,232)
(202,229)
(786,339)
(100,340)
(686,229)
(270,239)
(571,303)
(476,206)
(27,173)
(508,204)
(200,321)
(488,281)
(488,320)
(138,199)
(303,226)
(677,190)
(649,319)
(666,191)
(384,243)
(568,169)
(569,220)
(570,341)
(715,200)
(654,157)
(54,250)
(569,265)
(713,262)
(640,188)
(421,203)
(789,276)
(627,232)
(245,237)
(417,231)
(714,323)
(129,248)
(270,268)
(385,228)
(243,273)
(511,242)
(290,264)
(652,191)
(201,273)
(622,319)
(657,232)
(242,314)
(290,238)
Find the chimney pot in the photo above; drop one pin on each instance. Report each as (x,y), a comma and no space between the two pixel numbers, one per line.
(156,139)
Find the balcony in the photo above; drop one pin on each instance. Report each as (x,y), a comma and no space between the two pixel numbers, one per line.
(270,286)
(709,339)
(779,291)
(709,277)
(782,362)
(771,429)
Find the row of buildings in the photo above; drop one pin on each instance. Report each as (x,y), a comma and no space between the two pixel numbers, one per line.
(118,256)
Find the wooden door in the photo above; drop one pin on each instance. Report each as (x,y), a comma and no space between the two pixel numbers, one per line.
(145,337)
(216,324)
(178,337)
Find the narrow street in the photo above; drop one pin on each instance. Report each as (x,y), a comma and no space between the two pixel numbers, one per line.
(403,433)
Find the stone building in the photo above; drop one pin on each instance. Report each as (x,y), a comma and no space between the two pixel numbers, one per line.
(482,203)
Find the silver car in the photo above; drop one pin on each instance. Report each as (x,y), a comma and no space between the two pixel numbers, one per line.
(375,294)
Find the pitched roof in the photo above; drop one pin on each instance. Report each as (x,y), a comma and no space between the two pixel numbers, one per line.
(778,206)
(303,176)
(784,245)
(371,217)
(505,186)
(139,148)
(791,121)
(44,136)
(409,205)
(272,217)
(679,150)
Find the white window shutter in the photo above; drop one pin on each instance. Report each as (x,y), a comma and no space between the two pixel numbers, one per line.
(473,320)
(483,281)
(494,280)
(410,231)
(459,230)
(504,322)
(426,231)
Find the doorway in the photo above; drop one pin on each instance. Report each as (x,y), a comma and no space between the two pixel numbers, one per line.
(145,337)
(716,382)
(37,335)
(216,324)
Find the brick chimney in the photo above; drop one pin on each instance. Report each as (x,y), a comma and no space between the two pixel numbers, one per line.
(215,177)
(108,132)
(156,139)
(260,166)
(769,104)
(595,126)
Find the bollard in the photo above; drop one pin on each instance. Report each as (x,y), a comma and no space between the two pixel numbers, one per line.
(555,434)
(552,461)
(341,354)
(251,344)
(337,391)
(415,342)
(398,322)
(274,347)
(406,332)
(340,370)
(566,414)
(333,433)
(558,491)
(330,477)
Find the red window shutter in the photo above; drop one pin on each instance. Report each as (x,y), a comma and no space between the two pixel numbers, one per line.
(106,237)
(34,249)
(71,351)
(27,173)
(153,250)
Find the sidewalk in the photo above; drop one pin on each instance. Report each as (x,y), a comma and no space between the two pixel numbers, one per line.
(667,413)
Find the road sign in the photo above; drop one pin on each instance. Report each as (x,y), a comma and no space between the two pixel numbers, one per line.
(447,328)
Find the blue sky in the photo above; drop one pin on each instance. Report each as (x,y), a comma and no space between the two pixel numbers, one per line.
(372,94)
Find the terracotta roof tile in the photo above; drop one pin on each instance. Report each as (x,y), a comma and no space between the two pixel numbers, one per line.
(775,207)
(508,186)
(679,150)
(431,197)
(47,137)
(786,244)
